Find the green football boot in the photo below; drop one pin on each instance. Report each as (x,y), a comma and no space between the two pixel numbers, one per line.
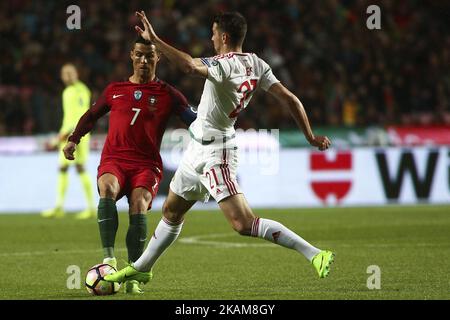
(132,287)
(129,273)
(322,262)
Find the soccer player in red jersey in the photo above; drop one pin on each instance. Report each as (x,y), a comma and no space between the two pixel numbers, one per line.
(131,164)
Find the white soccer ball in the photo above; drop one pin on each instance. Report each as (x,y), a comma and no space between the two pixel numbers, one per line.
(95,284)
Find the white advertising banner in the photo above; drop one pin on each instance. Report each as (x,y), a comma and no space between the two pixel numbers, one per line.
(269,178)
(355,177)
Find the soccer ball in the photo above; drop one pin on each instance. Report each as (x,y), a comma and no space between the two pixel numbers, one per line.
(95,284)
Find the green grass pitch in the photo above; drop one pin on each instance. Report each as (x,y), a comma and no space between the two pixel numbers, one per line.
(411,246)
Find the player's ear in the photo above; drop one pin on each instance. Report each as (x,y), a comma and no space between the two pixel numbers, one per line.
(158,55)
(132,54)
(225,38)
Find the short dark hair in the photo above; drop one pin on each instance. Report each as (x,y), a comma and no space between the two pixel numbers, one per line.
(234,24)
(139,39)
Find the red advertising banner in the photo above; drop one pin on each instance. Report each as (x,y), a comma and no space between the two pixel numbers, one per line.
(419,136)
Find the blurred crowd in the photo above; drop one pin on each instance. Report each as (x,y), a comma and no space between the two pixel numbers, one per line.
(344,73)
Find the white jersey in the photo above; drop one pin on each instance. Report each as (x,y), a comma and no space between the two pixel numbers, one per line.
(232,80)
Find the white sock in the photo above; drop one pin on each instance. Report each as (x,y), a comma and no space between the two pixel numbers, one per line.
(165,234)
(277,233)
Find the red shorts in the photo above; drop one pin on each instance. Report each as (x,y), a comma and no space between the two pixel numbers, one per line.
(131,176)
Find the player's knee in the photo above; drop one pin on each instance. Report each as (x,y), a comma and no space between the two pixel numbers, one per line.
(140,200)
(147,197)
(241,227)
(170,213)
(166,209)
(108,189)
(63,169)
(140,205)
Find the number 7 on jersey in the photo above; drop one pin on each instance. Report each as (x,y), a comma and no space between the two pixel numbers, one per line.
(137,110)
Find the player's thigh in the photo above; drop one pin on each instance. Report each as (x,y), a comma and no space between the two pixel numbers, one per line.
(111,180)
(140,200)
(146,178)
(175,207)
(186,182)
(108,185)
(238,212)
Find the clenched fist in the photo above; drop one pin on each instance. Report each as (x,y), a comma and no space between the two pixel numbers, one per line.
(69,150)
(321,142)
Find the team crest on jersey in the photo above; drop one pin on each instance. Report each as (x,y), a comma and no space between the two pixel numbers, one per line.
(138,94)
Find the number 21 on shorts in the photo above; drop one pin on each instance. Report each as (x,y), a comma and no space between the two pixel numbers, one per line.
(211,183)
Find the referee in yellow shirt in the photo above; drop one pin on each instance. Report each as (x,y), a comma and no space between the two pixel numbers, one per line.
(76,101)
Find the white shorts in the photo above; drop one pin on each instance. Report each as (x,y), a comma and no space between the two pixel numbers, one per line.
(207,170)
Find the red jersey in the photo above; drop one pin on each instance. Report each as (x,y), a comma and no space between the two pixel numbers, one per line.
(138,119)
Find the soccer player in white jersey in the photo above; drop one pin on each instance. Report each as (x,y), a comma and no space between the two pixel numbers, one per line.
(209,164)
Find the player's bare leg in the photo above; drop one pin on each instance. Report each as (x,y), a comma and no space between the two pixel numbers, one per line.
(167,231)
(140,200)
(108,220)
(87,188)
(63,181)
(240,216)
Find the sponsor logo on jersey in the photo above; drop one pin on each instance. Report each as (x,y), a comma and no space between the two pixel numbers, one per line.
(138,94)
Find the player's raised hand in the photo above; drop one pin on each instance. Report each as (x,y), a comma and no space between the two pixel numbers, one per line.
(321,142)
(148,33)
(69,150)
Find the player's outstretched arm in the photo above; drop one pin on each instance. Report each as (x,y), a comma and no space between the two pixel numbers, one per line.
(182,60)
(298,112)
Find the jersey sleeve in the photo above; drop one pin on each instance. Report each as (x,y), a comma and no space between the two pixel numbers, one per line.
(267,77)
(218,69)
(181,107)
(88,120)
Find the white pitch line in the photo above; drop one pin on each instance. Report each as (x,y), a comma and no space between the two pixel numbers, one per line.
(204,241)
(38,253)
(200,240)
(222,244)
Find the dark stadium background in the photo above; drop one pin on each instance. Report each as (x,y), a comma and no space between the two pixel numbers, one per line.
(344,73)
